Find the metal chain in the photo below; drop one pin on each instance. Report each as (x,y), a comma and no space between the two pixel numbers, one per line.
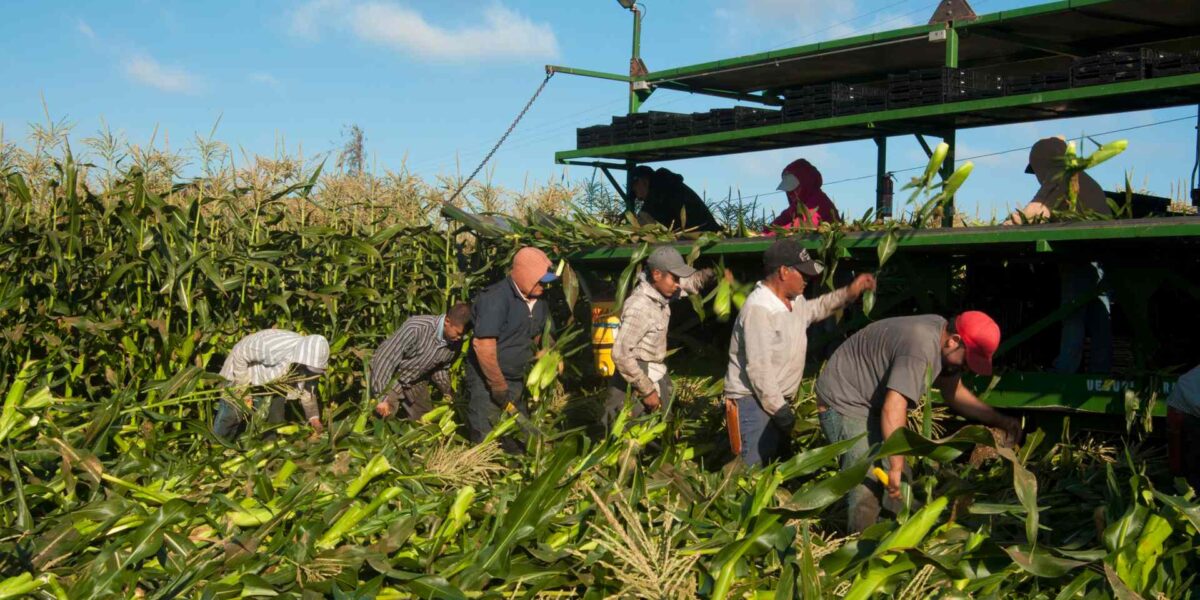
(521,115)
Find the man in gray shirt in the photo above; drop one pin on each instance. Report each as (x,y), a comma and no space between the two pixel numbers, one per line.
(872,379)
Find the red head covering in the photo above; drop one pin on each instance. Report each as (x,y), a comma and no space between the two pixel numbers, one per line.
(530,266)
(802,182)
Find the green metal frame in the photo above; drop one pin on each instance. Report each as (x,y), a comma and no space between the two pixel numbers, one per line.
(1033,237)
(872,121)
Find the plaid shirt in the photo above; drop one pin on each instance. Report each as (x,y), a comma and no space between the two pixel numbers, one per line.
(643,333)
(415,351)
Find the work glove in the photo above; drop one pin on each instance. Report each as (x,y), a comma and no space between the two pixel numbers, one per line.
(784,419)
(499,396)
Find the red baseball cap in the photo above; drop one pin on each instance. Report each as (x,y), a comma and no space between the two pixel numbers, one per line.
(980,336)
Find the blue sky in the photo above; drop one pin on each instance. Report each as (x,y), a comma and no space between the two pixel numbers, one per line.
(433,84)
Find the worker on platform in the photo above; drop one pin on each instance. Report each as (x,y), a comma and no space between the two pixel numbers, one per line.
(418,353)
(1078,278)
(640,348)
(666,199)
(873,379)
(508,318)
(286,364)
(1183,427)
(767,350)
(808,206)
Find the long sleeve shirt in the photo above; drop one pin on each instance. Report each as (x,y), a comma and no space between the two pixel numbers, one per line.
(416,351)
(266,356)
(643,332)
(769,344)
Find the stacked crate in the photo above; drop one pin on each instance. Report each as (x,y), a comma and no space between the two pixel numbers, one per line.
(1166,64)
(592,137)
(1111,67)
(832,99)
(935,86)
(647,126)
(1038,82)
(729,119)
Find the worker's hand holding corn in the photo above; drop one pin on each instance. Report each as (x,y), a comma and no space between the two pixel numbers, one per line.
(893,482)
(316,425)
(862,283)
(652,402)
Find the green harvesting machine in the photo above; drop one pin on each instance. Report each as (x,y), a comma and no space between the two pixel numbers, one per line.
(961,70)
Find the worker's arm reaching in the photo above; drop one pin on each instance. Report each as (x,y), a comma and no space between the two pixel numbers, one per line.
(894,416)
(824,306)
(441,379)
(489,364)
(963,402)
(700,280)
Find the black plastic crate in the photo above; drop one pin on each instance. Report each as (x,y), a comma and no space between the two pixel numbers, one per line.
(1111,67)
(594,136)
(934,86)
(745,117)
(1166,64)
(832,99)
(642,127)
(1038,82)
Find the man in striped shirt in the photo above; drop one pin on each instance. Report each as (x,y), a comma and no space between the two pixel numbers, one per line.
(286,360)
(421,350)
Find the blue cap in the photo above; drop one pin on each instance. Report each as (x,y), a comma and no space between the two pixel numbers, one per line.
(548,277)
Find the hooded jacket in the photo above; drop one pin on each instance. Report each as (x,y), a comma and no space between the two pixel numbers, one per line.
(807,195)
(1045,161)
(669,197)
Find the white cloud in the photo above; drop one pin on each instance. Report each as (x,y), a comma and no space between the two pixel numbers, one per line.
(502,35)
(306,21)
(83,28)
(148,71)
(266,79)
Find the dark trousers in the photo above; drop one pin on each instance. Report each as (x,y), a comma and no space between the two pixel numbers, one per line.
(1184,456)
(412,398)
(481,414)
(230,419)
(619,390)
(864,501)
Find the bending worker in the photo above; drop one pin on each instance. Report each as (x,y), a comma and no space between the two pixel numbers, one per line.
(767,350)
(419,352)
(508,318)
(287,360)
(871,381)
(1183,427)
(641,344)
(1078,278)
(668,200)
(808,205)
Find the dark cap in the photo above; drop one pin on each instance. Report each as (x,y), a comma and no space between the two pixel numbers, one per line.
(668,259)
(642,172)
(789,253)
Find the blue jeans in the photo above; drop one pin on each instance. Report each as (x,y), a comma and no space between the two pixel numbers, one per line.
(761,438)
(863,502)
(1091,320)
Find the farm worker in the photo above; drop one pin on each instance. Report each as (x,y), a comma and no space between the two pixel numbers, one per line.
(874,377)
(273,356)
(419,352)
(641,344)
(668,200)
(508,318)
(1077,278)
(1183,427)
(767,350)
(808,205)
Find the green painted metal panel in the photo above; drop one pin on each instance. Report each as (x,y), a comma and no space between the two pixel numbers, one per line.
(846,43)
(869,120)
(1080,393)
(1029,235)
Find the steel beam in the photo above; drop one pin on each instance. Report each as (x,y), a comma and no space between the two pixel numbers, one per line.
(883,196)
(868,120)
(587,73)
(616,186)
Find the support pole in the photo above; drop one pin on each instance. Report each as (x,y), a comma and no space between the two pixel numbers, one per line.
(1196,168)
(616,186)
(635,101)
(952,47)
(883,194)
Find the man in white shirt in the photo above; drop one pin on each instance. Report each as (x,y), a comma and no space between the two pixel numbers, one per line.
(268,357)
(768,348)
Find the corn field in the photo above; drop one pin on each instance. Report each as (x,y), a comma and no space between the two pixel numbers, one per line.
(116,308)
